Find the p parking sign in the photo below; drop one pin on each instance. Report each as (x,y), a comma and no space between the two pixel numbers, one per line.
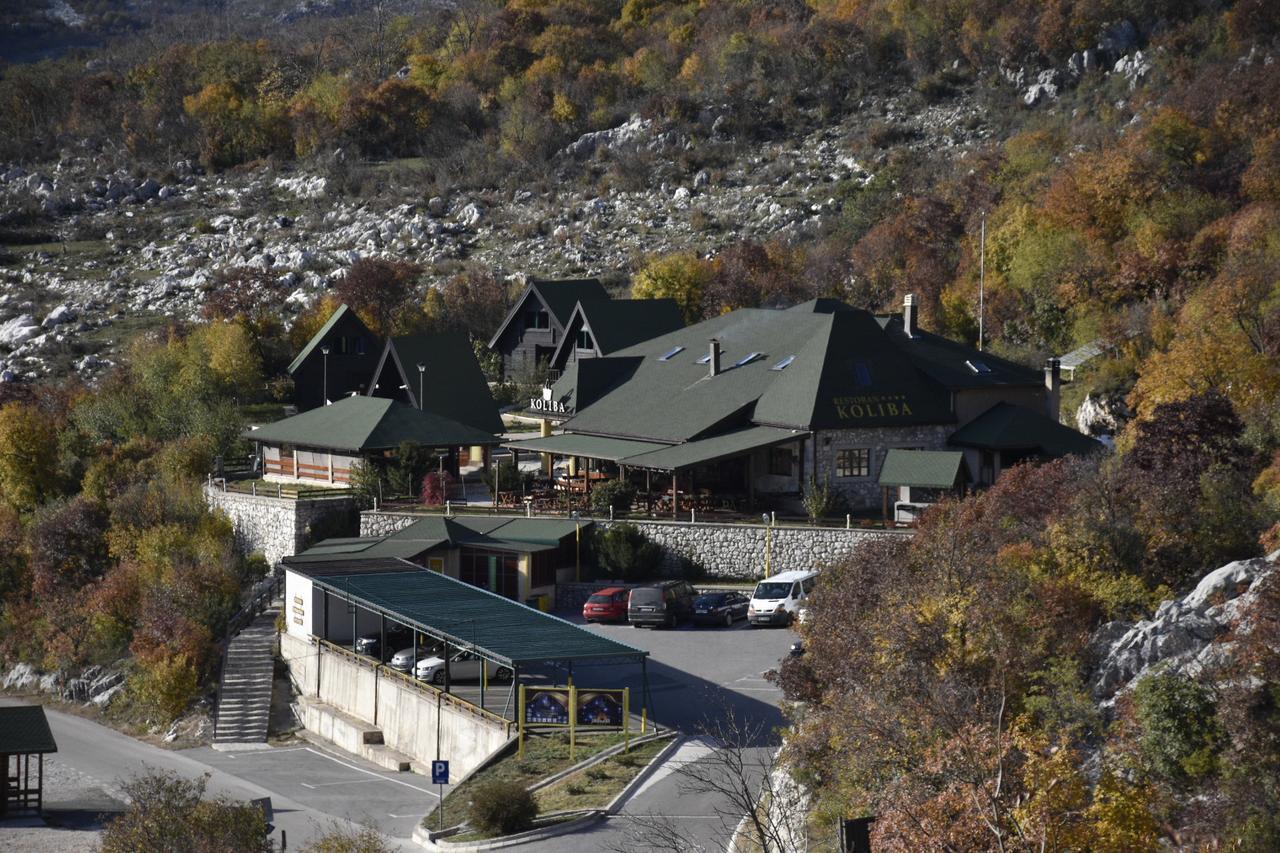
(439,773)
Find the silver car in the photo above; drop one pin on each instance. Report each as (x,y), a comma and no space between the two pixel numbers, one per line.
(464,666)
(404,659)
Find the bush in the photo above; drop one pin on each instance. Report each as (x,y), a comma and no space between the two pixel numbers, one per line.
(624,552)
(502,807)
(168,813)
(1181,737)
(617,495)
(435,487)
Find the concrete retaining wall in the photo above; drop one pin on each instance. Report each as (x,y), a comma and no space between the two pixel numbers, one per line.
(418,722)
(724,550)
(275,527)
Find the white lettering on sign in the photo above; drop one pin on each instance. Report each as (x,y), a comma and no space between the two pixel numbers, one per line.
(553,407)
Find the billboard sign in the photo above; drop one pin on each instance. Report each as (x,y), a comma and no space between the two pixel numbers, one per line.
(600,708)
(547,707)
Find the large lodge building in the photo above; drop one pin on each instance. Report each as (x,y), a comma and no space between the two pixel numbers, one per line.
(751,408)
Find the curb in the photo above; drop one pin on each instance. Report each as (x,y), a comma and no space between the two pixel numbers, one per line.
(596,759)
(643,776)
(586,818)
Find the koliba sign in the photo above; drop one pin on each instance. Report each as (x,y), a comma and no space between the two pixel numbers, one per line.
(551,407)
(872,406)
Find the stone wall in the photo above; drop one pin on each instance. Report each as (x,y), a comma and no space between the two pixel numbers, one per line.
(865,492)
(279,527)
(724,550)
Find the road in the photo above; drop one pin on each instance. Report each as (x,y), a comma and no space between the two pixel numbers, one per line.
(97,759)
(694,676)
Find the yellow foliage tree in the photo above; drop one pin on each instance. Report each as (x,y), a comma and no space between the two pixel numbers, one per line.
(28,456)
(682,276)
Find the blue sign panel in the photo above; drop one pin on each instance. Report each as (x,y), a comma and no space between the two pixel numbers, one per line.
(439,773)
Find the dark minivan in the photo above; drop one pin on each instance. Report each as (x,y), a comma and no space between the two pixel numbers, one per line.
(663,604)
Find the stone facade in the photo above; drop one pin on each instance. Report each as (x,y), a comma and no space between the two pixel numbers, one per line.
(277,527)
(864,492)
(724,550)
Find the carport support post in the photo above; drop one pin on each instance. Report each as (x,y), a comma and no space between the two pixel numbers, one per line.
(382,642)
(648,697)
(446,666)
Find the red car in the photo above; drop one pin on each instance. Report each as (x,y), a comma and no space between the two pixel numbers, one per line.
(607,605)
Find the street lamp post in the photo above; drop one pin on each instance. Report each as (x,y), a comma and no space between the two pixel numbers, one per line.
(325,352)
(422,372)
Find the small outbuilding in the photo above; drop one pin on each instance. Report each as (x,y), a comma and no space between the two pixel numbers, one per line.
(320,446)
(921,478)
(25,739)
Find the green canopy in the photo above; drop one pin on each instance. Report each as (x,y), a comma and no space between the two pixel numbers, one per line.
(928,469)
(361,424)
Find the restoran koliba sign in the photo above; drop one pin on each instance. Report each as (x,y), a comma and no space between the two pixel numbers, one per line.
(550,407)
(872,407)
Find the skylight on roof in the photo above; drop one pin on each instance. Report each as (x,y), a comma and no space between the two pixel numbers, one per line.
(784,364)
(674,351)
(980,367)
(862,373)
(706,358)
(747,359)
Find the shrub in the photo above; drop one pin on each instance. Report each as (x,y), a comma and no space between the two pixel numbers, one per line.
(615,494)
(1181,737)
(821,500)
(502,807)
(624,552)
(435,487)
(168,813)
(576,789)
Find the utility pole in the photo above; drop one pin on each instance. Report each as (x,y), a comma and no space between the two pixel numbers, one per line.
(325,352)
(422,371)
(982,281)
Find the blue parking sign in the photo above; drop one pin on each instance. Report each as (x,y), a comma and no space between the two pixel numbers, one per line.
(439,773)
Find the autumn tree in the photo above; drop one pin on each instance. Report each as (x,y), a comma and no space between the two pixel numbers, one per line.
(169,813)
(682,276)
(380,291)
(28,456)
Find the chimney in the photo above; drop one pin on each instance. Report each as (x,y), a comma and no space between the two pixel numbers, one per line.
(715,357)
(909,315)
(1053,385)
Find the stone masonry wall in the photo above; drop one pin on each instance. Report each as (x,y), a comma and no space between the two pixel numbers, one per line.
(724,550)
(864,492)
(274,527)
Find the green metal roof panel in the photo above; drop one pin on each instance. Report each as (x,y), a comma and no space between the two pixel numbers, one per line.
(334,318)
(938,469)
(504,630)
(1008,427)
(712,449)
(545,531)
(359,424)
(25,729)
(592,446)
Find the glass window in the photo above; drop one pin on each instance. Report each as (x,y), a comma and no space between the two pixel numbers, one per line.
(780,461)
(853,462)
(491,570)
(671,353)
(538,320)
(584,340)
(542,569)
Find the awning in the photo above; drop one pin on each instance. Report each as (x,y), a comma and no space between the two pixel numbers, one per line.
(588,446)
(712,449)
(926,469)
(502,630)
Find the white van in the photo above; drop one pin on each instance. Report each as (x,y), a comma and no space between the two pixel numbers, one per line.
(777,599)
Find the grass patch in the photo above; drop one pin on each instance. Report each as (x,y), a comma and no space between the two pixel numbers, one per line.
(543,756)
(596,786)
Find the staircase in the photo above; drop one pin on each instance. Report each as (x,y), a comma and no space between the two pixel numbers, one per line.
(244,696)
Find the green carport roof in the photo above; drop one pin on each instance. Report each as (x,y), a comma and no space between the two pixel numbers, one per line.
(713,449)
(25,730)
(937,469)
(589,446)
(503,630)
(1008,427)
(369,423)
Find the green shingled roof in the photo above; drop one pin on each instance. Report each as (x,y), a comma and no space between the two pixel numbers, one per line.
(936,469)
(590,446)
(619,323)
(361,424)
(25,729)
(712,449)
(1008,427)
(453,383)
(319,336)
(560,297)
(501,629)
(523,535)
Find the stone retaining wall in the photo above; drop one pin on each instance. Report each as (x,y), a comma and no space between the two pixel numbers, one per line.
(276,527)
(723,550)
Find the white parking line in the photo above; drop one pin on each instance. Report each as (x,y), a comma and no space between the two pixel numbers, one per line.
(369,773)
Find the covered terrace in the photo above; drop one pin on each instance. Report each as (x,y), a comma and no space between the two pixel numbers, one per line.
(336,601)
(729,471)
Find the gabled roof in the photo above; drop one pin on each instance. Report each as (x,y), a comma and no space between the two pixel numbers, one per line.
(559,297)
(523,535)
(936,469)
(619,323)
(503,630)
(1008,427)
(24,729)
(454,385)
(956,365)
(316,339)
(361,424)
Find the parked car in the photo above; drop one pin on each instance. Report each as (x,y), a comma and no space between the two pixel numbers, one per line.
(667,604)
(719,608)
(777,599)
(403,660)
(371,644)
(463,666)
(607,605)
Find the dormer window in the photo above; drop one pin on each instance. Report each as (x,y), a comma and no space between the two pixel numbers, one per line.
(538,320)
(584,340)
